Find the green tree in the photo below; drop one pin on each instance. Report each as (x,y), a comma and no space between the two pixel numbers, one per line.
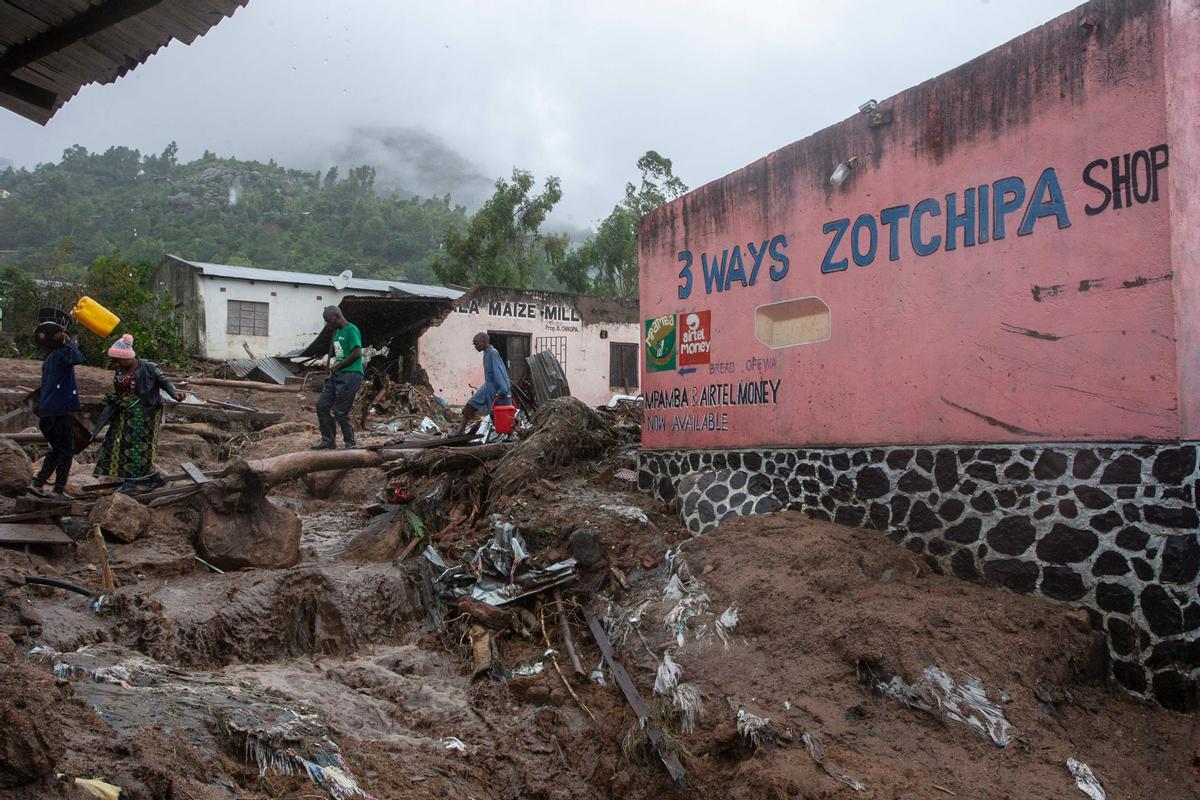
(503,244)
(607,262)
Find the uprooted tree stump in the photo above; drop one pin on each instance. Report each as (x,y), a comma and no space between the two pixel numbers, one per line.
(241,528)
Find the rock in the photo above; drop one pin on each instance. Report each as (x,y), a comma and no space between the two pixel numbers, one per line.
(1110,562)
(1011,573)
(16,471)
(1062,583)
(1011,535)
(1161,611)
(963,565)
(379,541)
(966,531)
(1122,635)
(1131,676)
(899,459)
(913,482)
(1086,464)
(8,650)
(1127,469)
(1181,559)
(120,516)
(1132,538)
(1093,498)
(946,470)
(1114,597)
(1050,465)
(585,547)
(264,536)
(922,519)
(1175,465)
(1172,517)
(872,482)
(1066,545)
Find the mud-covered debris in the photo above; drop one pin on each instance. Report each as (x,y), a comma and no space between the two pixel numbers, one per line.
(966,702)
(1085,779)
(16,471)
(813,744)
(134,691)
(500,571)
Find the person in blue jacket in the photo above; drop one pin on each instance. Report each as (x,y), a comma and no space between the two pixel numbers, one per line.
(495,382)
(57,404)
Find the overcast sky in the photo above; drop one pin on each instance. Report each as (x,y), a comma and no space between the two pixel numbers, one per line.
(573,89)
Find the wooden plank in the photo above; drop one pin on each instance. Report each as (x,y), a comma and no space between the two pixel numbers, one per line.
(645,717)
(193,472)
(32,533)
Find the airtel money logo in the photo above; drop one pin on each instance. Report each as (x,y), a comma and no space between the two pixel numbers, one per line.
(696,339)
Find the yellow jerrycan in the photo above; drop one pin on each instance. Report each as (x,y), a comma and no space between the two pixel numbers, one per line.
(95,317)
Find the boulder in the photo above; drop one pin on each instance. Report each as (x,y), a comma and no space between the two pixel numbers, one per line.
(16,471)
(262,535)
(379,541)
(120,516)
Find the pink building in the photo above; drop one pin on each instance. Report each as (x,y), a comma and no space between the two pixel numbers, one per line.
(966,317)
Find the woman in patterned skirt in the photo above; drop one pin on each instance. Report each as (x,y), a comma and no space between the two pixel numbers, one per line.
(129,445)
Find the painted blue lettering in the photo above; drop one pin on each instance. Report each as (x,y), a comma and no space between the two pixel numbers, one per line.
(685,274)
(864,221)
(1041,206)
(757,255)
(714,274)
(984,220)
(736,271)
(921,247)
(889,217)
(780,269)
(1002,206)
(838,228)
(964,222)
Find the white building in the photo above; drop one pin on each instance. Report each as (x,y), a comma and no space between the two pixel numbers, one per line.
(243,312)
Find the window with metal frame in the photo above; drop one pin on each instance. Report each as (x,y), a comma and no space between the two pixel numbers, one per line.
(247,318)
(555,344)
(622,365)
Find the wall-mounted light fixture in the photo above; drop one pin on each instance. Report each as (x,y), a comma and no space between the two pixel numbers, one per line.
(842,171)
(876,116)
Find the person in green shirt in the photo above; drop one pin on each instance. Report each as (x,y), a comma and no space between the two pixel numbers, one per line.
(345,379)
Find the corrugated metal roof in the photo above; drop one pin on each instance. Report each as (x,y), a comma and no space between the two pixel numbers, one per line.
(260,369)
(49,49)
(313,279)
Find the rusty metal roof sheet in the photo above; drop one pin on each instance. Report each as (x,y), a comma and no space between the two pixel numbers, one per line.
(49,49)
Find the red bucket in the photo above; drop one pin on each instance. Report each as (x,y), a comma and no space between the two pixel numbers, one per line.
(503,417)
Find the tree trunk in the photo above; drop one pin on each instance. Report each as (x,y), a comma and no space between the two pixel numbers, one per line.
(252,385)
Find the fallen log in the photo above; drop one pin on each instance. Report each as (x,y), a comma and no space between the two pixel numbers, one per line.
(251,385)
(485,614)
(447,459)
(201,429)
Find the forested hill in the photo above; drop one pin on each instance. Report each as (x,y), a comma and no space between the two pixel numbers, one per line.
(218,210)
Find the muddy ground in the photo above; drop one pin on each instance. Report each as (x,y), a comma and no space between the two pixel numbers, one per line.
(192,684)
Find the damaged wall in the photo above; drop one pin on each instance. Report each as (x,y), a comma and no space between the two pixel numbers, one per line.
(1001,263)
(579,330)
(982,343)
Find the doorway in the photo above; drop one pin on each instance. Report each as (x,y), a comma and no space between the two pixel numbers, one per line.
(514,349)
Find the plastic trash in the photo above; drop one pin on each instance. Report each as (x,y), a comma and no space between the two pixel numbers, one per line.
(454,743)
(1085,779)
(631,513)
(429,426)
(98,788)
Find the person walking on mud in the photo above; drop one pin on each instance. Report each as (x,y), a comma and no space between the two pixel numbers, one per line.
(495,382)
(342,385)
(58,401)
(135,410)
